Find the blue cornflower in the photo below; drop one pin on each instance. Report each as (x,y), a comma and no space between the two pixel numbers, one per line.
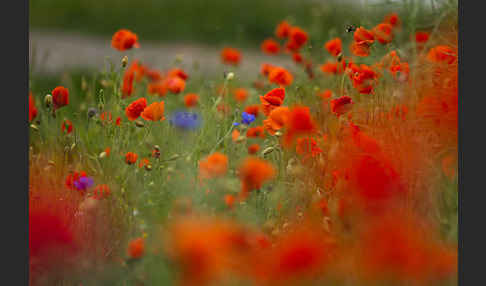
(185,120)
(246,118)
(83,183)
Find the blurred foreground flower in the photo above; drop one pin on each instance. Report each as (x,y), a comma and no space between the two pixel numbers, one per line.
(185,120)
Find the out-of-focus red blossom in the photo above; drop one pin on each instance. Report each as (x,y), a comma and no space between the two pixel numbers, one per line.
(136,248)
(240,94)
(138,70)
(118,121)
(207,249)
(363,77)
(272,99)
(153,75)
(266,68)
(421,37)
(399,111)
(177,72)
(107,151)
(325,95)
(299,122)
(73,177)
(270,46)
(158,87)
(124,40)
(231,56)
(67,127)
(101,192)
(283,30)
(333,67)
(60,97)
(106,116)
(135,108)
(449,166)
(393,20)
(131,158)
(127,86)
(305,252)
(442,54)
(32,108)
(191,100)
(297,38)
(175,84)
(255,132)
(400,247)
(280,76)
(296,57)
(307,147)
(253,172)
(229,200)
(276,119)
(383,33)
(214,165)
(253,109)
(360,49)
(334,46)
(253,149)
(52,240)
(235,135)
(341,105)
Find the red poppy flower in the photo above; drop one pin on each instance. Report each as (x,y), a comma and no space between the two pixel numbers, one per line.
(393,20)
(154,112)
(255,132)
(253,149)
(124,40)
(191,100)
(297,38)
(175,84)
(283,30)
(299,122)
(253,109)
(214,165)
(135,108)
(297,57)
(60,97)
(280,76)
(231,56)
(71,178)
(253,172)
(177,72)
(101,192)
(270,46)
(442,54)
(421,37)
(127,87)
(136,248)
(131,158)
(272,99)
(383,33)
(276,119)
(334,46)
(32,108)
(341,105)
(363,78)
(266,68)
(240,94)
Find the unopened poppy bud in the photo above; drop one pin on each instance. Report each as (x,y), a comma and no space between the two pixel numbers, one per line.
(124,61)
(179,58)
(102,155)
(34,127)
(340,57)
(278,133)
(91,112)
(84,84)
(139,123)
(156,147)
(230,76)
(268,150)
(148,167)
(73,146)
(48,100)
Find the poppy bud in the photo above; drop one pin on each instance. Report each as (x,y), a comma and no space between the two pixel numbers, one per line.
(230,76)
(34,127)
(156,147)
(124,61)
(139,123)
(48,100)
(148,167)
(268,150)
(91,112)
(102,155)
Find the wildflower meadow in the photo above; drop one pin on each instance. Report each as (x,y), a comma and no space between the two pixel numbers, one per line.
(333,164)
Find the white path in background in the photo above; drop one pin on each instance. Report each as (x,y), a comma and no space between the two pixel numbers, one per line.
(66,51)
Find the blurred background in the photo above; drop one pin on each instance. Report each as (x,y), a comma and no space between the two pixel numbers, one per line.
(76,34)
